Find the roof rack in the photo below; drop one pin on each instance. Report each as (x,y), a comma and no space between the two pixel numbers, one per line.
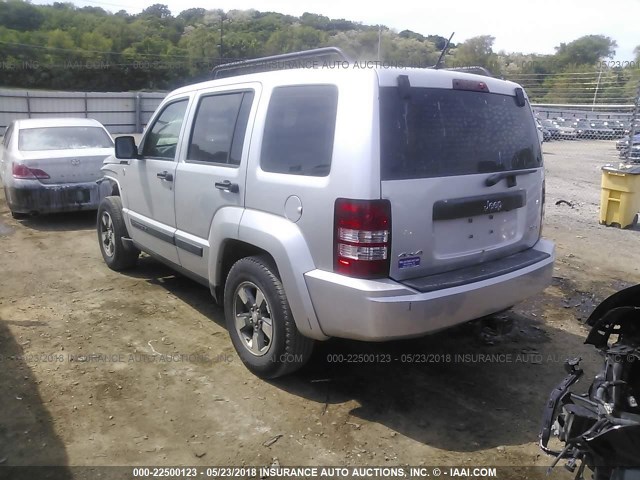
(472,69)
(284,61)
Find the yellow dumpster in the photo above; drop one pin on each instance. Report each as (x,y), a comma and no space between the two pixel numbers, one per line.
(620,198)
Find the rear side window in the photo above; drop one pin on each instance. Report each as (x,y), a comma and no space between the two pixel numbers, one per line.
(219,128)
(435,132)
(299,130)
(62,138)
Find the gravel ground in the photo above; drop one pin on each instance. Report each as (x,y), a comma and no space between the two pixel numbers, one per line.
(470,396)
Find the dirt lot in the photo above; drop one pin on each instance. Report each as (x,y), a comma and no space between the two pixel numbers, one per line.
(476,400)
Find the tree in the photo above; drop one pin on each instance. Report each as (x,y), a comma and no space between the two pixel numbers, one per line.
(21,16)
(192,15)
(587,50)
(476,51)
(157,10)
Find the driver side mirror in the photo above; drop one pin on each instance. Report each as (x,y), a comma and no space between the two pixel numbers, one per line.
(126,148)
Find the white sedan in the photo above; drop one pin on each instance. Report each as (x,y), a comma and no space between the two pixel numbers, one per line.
(52,165)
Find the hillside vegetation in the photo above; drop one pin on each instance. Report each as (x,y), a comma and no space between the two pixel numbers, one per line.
(64,47)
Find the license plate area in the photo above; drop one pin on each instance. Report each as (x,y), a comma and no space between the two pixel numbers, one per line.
(453,238)
(75,196)
(83,196)
(471,225)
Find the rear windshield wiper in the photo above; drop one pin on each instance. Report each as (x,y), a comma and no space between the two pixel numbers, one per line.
(491,180)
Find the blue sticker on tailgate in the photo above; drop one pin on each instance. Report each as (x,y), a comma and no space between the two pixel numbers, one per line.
(409,262)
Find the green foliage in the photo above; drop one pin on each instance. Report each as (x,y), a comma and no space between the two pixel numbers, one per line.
(476,51)
(21,16)
(587,50)
(62,46)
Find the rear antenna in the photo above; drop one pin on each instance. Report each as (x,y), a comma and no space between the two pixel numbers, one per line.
(444,50)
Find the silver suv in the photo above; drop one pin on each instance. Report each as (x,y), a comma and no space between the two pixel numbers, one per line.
(370,204)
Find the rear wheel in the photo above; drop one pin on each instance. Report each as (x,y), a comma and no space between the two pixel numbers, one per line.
(117,254)
(19,216)
(260,322)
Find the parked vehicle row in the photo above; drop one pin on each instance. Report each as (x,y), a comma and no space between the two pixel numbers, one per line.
(570,129)
(557,131)
(622,146)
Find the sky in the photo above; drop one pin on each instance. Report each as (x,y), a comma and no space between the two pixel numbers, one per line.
(527,27)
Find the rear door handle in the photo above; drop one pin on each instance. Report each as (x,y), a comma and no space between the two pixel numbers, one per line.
(165,176)
(227,186)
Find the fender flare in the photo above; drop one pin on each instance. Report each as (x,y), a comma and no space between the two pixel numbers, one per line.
(284,241)
(112,177)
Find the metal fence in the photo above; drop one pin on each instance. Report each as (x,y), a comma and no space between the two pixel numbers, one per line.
(120,112)
(590,106)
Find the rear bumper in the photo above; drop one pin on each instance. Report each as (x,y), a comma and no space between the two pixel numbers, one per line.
(378,310)
(33,197)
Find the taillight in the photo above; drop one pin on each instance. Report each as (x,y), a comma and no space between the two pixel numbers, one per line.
(24,172)
(362,235)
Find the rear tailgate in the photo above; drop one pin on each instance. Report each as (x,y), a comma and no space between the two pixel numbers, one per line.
(463,171)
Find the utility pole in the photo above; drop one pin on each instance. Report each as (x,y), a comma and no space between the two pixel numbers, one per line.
(595,94)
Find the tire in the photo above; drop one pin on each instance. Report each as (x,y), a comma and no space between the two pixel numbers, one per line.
(19,216)
(254,295)
(118,255)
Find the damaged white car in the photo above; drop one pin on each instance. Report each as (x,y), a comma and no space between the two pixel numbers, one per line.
(52,165)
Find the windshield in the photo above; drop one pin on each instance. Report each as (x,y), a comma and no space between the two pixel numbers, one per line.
(62,138)
(442,132)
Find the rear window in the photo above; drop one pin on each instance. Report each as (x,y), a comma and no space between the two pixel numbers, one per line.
(299,130)
(62,138)
(442,132)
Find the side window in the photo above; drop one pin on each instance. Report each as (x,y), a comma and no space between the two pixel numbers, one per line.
(219,128)
(299,130)
(162,139)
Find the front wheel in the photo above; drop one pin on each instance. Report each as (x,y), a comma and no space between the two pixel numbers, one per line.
(117,254)
(260,322)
